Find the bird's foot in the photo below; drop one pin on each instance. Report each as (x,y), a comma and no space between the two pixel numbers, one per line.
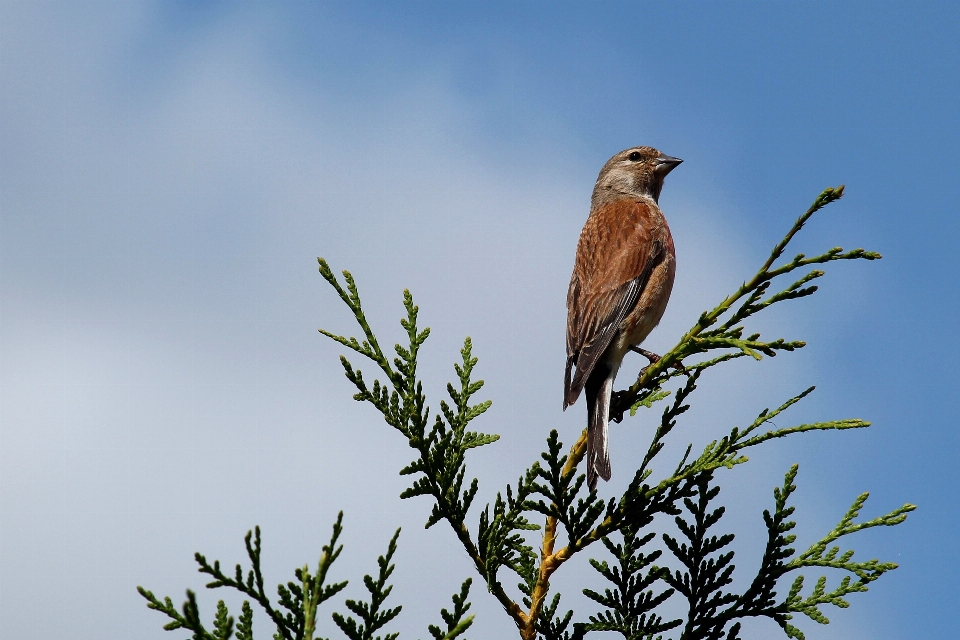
(617,400)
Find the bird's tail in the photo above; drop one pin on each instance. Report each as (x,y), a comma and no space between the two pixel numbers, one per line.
(598,414)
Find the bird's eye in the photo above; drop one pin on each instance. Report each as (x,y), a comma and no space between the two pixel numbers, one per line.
(635,156)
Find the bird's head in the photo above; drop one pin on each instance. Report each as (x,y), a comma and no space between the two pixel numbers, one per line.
(638,171)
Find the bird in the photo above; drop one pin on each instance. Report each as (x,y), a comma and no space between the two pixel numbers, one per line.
(622,279)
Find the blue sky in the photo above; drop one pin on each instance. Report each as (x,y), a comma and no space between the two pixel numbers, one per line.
(169,173)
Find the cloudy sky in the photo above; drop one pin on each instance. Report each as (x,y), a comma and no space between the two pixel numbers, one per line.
(170,171)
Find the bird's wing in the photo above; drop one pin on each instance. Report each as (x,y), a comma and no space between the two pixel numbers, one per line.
(616,253)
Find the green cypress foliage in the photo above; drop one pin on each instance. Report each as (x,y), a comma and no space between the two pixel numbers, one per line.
(372,618)
(630,608)
(535,525)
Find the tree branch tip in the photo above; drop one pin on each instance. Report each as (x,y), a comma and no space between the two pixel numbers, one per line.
(833,192)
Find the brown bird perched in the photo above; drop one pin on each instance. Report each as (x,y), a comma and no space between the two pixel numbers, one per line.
(621,282)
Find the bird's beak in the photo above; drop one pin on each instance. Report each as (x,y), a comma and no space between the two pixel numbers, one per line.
(666,164)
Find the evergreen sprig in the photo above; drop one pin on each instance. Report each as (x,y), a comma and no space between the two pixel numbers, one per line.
(500,536)
(314,592)
(706,570)
(300,599)
(456,621)
(714,613)
(821,554)
(189,616)
(441,463)
(552,626)
(728,451)
(372,618)
(245,623)
(630,608)
(561,490)
(443,459)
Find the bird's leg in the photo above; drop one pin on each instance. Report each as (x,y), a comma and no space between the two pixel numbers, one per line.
(654,359)
(649,355)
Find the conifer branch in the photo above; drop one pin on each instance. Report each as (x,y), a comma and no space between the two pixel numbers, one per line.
(441,462)
(189,619)
(713,611)
(300,599)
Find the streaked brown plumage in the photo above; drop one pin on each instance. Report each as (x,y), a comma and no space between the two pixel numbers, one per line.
(620,286)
